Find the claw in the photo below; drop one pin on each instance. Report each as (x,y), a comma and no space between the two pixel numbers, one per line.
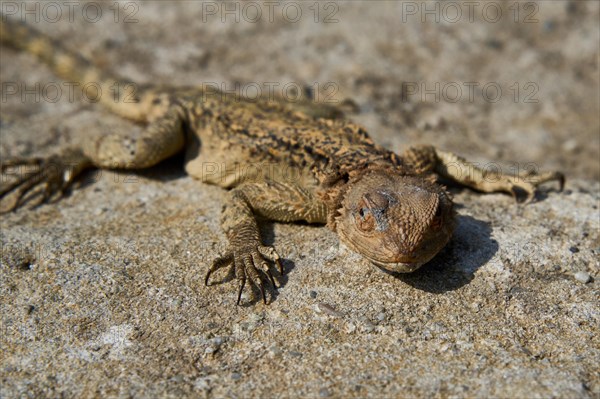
(272,279)
(240,290)
(528,182)
(514,194)
(50,175)
(279,266)
(261,287)
(13,186)
(272,255)
(218,263)
(257,259)
(561,180)
(23,189)
(249,262)
(46,195)
(530,197)
(11,163)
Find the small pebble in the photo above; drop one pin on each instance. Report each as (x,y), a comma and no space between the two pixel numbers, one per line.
(313,294)
(570,145)
(495,44)
(583,277)
(275,350)
(350,328)
(324,393)
(549,26)
(201,384)
(210,350)
(367,325)
(574,249)
(328,310)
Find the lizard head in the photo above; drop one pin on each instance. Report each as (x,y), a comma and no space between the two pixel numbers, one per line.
(397,222)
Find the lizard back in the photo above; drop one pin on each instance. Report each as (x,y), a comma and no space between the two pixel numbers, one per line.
(231,134)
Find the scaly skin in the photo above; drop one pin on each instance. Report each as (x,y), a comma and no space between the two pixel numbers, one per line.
(283,161)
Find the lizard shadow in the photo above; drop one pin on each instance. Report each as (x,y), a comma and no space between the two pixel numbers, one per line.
(267,234)
(165,171)
(170,169)
(470,248)
(520,195)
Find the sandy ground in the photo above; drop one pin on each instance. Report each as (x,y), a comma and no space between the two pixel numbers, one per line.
(102,293)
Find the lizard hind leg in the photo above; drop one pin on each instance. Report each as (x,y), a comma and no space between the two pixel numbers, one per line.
(156,142)
(50,177)
(39,179)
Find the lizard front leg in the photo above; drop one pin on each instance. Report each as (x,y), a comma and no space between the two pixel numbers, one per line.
(48,177)
(427,159)
(274,201)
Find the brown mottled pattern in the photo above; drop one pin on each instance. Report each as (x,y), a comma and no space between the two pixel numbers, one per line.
(275,131)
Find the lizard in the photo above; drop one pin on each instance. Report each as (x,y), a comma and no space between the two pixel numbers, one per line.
(323,168)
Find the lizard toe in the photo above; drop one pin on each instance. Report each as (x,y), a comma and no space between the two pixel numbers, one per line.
(271,254)
(520,190)
(248,258)
(20,162)
(50,177)
(249,263)
(529,182)
(241,285)
(258,260)
(219,263)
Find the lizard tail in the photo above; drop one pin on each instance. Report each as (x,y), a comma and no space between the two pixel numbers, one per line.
(119,95)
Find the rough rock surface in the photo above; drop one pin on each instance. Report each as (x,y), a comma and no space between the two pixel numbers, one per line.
(102,293)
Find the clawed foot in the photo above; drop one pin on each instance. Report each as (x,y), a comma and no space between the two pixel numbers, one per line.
(41,177)
(246,262)
(528,182)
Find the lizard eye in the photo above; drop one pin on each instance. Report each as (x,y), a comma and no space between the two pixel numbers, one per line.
(364,218)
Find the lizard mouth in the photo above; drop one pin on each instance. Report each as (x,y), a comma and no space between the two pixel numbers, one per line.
(398,267)
(392,260)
